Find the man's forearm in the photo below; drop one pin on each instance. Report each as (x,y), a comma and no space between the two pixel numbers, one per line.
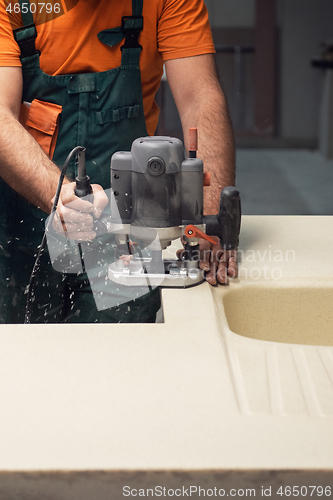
(216,146)
(23,164)
(201,103)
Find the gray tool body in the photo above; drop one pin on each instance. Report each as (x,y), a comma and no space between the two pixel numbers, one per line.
(157,197)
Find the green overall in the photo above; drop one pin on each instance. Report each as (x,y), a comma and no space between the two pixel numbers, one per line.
(104,113)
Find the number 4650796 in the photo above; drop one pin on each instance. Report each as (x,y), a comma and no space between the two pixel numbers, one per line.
(33,8)
(304,491)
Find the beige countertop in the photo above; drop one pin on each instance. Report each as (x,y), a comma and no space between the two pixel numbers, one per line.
(88,408)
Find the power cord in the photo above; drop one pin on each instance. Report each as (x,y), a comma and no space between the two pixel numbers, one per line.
(36,268)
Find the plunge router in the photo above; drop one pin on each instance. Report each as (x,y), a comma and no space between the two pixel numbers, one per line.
(157,197)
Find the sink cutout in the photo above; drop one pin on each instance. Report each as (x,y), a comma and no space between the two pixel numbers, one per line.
(302,315)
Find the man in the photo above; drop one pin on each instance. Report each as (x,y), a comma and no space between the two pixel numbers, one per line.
(82,85)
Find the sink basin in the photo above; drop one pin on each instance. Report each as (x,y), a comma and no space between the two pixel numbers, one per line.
(296,315)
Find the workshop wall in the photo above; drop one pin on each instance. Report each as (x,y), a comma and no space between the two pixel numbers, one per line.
(304,24)
(231,13)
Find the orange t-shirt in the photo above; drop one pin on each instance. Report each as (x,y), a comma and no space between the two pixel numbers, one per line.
(67,37)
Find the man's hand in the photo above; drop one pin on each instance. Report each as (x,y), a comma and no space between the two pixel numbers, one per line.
(75,216)
(217,262)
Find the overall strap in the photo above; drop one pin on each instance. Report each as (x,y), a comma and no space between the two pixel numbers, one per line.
(130,29)
(137,6)
(26,36)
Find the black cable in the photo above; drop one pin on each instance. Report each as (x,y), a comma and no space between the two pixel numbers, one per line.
(35,269)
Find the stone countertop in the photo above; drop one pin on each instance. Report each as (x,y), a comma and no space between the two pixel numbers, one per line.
(187,395)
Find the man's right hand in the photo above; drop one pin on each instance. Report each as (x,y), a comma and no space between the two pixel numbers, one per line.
(74,216)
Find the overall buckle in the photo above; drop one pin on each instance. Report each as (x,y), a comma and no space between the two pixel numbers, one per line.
(25,38)
(131,26)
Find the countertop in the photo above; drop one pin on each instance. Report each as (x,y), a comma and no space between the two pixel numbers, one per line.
(88,409)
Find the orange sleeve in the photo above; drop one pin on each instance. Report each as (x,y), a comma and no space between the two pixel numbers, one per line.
(184,30)
(9,50)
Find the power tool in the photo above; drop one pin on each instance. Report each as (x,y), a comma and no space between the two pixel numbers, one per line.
(157,197)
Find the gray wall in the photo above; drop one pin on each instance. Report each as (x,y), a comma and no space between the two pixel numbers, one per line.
(231,13)
(304,24)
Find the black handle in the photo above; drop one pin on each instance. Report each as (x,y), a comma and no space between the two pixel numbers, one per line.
(83,187)
(226,224)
